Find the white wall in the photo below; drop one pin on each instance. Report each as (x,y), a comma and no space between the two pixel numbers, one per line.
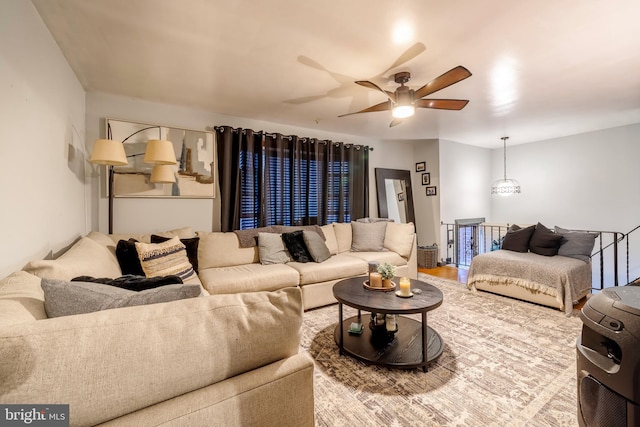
(42,179)
(146,215)
(427,209)
(585,181)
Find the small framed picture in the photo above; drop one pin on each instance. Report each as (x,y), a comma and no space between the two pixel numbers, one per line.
(431,191)
(421,167)
(401,197)
(426,178)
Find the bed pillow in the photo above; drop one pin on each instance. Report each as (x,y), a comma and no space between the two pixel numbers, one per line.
(316,246)
(128,257)
(576,244)
(544,241)
(63,298)
(191,245)
(368,237)
(296,246)
(517,240)
(166,259)
(272,249)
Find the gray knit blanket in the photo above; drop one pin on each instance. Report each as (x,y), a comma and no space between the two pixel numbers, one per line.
(567,279)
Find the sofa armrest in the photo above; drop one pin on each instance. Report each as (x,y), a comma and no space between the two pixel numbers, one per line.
(113,362)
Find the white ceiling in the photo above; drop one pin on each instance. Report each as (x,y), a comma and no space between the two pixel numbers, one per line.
(541,68)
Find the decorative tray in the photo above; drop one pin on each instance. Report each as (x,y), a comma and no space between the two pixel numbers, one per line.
(387,289)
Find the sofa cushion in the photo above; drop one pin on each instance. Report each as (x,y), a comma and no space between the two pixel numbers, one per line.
(388,256)
(218,249)
(191,245)
(544,241)
(272,249)
(399,238)
(134,357)
(128,259)
(576,244)
(330,238)
(166,259)
(368,237)
(343,236)
(21,299)
(517,240)
(85,258)
(62,298)
(337,267)
(316,246)
(182,233)
(248,278)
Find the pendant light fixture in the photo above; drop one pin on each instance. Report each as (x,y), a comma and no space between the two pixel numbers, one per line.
(505,187)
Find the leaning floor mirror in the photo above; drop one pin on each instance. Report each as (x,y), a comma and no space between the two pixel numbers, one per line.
(395,198)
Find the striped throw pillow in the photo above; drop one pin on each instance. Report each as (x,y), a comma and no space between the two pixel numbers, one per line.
(166,259)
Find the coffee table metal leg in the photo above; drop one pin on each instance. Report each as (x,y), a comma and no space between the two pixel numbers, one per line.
(424,341)
(341,326)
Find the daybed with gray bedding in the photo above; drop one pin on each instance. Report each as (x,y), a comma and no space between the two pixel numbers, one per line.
(538,265)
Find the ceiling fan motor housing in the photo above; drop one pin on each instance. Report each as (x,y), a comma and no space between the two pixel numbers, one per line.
(402,77)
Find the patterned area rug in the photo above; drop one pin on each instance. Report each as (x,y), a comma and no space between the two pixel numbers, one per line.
(505,363)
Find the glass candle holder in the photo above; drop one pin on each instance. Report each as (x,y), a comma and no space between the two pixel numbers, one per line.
(405,286)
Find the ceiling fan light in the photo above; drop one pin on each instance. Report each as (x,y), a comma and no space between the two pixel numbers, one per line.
(403,111)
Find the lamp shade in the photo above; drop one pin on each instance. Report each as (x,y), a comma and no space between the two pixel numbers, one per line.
(163,174)
(108,152)
(159,152)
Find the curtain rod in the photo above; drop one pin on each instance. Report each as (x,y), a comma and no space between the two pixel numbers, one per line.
(290,137)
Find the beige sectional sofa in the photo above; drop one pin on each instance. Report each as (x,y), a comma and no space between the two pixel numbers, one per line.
(230,359)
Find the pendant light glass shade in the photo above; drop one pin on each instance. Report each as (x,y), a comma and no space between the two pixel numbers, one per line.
(505,187)
(159,152)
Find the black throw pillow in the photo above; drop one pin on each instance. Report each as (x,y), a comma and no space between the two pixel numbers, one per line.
(294,242)
(518,240)
(131,282)
(191,244)
(128,257)
(544,241)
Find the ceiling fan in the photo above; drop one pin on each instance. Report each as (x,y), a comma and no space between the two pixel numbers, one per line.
(404,100)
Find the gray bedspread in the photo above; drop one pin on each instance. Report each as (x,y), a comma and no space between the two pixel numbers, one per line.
(569,277)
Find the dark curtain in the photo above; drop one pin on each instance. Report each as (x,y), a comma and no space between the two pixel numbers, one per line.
(267,179)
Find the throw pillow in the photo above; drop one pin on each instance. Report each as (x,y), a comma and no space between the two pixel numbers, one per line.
(191,244)
(166,259)
(316,246)
(131,282)
(128,257)
(272,249)
(576,244)
(544,241)
(295,244)
(368,237)
(517,240)
(399,238)
(68,298)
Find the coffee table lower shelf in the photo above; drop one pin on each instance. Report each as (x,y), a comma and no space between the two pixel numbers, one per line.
(404,351)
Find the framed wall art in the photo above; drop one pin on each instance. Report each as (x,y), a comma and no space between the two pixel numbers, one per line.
(421,166)
(431,191)
(195,154)
(426,178)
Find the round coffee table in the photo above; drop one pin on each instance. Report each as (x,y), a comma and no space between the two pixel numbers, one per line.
(413,345)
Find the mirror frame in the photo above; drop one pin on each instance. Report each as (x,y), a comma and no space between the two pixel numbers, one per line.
(404,175)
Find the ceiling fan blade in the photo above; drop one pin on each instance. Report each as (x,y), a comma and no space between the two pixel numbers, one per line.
(371,85)
(447,79)
(383,106)
(395,122)
(408,55)
(442,104)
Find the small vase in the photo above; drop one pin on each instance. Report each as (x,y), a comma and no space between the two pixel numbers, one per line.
(386,283)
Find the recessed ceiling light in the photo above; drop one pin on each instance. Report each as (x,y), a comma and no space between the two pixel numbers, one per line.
(402,33)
